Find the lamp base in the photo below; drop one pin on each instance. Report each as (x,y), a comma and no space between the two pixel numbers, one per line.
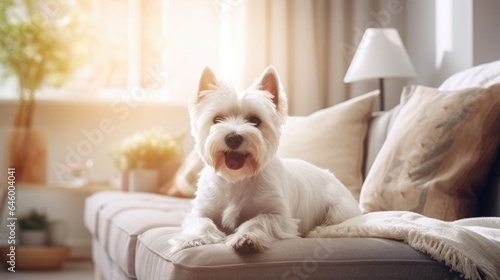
(381,87)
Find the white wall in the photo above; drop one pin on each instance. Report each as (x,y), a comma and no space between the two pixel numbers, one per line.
(453,38)
(486,17)
(447,36)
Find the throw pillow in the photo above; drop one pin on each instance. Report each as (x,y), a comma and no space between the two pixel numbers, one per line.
(379,126)
(437,154)
(333,139)
(184,181)
(483,75)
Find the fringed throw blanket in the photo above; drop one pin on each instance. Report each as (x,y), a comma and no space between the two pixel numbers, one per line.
(469,246)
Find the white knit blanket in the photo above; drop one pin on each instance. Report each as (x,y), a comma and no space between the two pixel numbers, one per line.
(469,246)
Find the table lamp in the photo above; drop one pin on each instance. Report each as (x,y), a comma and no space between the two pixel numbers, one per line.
(381,54)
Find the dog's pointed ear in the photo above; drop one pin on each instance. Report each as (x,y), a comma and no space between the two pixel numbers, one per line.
(269,81)
(207,82)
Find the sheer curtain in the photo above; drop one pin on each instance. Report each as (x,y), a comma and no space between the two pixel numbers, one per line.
(309,42)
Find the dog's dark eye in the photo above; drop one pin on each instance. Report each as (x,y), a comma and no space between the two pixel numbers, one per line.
(218,119)
(254,120)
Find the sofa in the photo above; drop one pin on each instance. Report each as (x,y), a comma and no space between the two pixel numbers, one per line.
(131,231)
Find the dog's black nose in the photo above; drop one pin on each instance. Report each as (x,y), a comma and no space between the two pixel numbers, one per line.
(234,140)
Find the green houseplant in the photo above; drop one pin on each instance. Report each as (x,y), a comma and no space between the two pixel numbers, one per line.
(148,149)
(34,228)
(41,45)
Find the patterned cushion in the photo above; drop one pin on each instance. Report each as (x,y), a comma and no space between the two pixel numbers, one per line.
(438,153)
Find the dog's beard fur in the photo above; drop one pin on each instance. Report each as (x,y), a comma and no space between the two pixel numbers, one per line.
(247,196)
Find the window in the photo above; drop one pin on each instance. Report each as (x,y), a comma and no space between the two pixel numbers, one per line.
(125,45)
(159,46)
(125,49)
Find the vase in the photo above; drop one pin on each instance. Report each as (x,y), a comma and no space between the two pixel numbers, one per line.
(143,180)
(34,237)
(26,151)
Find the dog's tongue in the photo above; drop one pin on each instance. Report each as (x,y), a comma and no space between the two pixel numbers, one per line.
(234,160)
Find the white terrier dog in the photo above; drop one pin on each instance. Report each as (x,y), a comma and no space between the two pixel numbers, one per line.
(247,196)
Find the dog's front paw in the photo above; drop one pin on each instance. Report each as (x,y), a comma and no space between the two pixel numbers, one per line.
(245,244)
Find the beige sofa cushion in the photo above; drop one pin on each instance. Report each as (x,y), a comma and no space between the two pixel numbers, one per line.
(303,258)
(437,154)
(333,139)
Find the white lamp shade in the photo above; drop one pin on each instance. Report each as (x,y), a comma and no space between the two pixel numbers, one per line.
(381,54)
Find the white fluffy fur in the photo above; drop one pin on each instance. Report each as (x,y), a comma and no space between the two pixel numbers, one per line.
(269,198)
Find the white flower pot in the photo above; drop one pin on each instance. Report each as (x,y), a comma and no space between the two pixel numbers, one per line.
(123,180)
(34,237)
(143,180)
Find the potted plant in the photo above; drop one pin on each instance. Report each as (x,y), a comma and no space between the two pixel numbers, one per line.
(34,229)
(142,155)
(40,44)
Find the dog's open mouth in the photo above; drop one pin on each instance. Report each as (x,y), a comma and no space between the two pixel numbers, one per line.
(235,160)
